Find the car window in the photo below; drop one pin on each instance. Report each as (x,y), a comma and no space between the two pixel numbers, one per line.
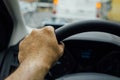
(37,13)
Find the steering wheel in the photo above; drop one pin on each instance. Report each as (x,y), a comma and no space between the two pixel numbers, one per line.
(86,26)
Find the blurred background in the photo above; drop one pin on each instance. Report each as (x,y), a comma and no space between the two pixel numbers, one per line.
(38,13)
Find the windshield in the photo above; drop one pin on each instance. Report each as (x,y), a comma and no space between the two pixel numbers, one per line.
(38,13)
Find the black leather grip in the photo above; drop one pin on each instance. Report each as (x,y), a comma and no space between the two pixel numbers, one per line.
(86,26)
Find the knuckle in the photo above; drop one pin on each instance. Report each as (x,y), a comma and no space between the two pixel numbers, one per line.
(34,31)
(49,28)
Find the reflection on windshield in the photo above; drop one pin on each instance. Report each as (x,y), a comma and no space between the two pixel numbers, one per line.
(37,13)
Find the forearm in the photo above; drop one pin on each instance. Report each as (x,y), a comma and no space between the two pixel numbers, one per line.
(37,53)
(29,71)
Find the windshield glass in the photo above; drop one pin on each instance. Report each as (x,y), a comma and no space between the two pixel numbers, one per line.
(38,13)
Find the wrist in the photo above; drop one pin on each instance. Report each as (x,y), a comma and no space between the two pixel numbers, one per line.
(36,64)
(34,70)
(29,70)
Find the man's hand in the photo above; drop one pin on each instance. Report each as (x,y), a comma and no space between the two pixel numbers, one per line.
(41,45)
(37,53)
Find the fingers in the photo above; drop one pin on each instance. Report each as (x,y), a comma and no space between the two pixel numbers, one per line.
(61,48)
(49,30)
(39,40)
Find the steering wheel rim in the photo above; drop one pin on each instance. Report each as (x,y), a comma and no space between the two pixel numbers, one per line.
(88,76)
(86,26)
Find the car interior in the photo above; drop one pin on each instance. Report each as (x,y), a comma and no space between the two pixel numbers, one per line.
(92,48)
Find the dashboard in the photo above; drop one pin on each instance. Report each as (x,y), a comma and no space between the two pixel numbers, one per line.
(80,56)
(87,56)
